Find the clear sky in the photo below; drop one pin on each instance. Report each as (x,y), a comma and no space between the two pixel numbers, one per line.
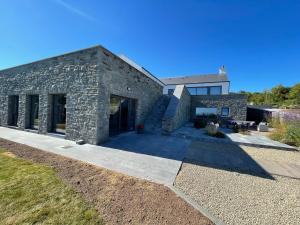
(257,41)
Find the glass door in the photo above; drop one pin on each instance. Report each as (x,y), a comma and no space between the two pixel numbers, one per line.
(122,114)
(34,112)
(59,113)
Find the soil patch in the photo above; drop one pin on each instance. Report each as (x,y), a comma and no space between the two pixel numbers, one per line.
(118,198)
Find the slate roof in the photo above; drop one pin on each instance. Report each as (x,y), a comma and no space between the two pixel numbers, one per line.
(140,68)
(209,78)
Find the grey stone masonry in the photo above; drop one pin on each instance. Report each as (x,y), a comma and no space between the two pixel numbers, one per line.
(178,111)
(153,122)
(87,77)
(237,104)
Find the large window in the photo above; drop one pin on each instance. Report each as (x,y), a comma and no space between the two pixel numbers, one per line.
(215,90)
(193,91)
(205,111)
(202,91)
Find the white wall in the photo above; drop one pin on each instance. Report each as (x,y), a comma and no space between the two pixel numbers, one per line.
(225,86)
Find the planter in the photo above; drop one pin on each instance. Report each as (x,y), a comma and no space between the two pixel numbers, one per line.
(140,128)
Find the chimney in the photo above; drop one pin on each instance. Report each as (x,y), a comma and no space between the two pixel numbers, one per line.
(222,70)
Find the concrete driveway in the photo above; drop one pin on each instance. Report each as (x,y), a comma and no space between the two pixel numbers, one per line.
(152,157)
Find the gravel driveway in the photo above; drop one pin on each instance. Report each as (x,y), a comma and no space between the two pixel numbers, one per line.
(241,198)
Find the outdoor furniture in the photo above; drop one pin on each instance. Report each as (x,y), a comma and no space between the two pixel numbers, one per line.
(262,127)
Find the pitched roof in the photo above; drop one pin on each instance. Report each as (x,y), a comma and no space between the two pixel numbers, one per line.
(140,68)
(209,78)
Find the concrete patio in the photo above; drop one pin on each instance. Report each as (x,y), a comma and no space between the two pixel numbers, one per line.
(255,139)
(151,157)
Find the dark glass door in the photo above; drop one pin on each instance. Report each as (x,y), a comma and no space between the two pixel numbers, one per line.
(122,114)
(34,112)
(13,110)
(59,114)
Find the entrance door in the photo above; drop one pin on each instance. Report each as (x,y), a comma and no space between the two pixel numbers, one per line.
(59,113)
(34,112)
(122,114)
(13,110)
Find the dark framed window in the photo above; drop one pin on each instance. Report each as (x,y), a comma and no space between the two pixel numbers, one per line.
(202,90)
(214,90)
(205,111)
(192,91)
(225,111)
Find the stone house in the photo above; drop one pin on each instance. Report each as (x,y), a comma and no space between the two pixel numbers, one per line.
(210,94)
(92,94)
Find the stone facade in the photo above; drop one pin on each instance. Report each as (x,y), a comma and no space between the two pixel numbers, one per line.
(237,104)
(178,111)
(88,77)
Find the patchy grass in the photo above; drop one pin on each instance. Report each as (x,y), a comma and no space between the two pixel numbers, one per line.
(31,193)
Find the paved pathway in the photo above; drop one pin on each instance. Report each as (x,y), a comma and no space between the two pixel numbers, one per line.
(155,158)
(233,158)
(256,140)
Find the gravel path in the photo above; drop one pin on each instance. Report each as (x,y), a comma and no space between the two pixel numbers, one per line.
(242,199)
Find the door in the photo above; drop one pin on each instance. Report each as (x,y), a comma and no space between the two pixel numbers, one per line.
(59,113)
(122,114)
(34,112)
(13,110)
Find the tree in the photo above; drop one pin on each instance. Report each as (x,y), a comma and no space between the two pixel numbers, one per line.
(294,94)
(279,94)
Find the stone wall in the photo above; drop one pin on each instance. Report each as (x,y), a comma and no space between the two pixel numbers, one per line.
(119,78)
(237,104)
(88,77)
(178,111)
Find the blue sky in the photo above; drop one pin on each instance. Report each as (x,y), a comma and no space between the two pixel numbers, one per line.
(257,41)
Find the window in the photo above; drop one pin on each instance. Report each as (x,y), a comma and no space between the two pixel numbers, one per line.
(225,111)
(170,91)
(193,91)
(205,111)
(215,90)
(202,91)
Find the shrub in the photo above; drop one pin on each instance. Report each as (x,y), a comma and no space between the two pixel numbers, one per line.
(219,134)
(287,132)
(200,122)
(235,128)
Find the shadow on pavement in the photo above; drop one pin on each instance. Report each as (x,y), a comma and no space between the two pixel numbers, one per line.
(223,156)
(149,144)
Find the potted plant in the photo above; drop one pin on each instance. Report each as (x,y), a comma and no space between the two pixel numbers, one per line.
(140,128)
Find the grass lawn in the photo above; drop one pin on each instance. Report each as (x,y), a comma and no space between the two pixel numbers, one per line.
(32,194)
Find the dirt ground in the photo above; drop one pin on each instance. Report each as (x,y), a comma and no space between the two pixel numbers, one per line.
(118,198)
